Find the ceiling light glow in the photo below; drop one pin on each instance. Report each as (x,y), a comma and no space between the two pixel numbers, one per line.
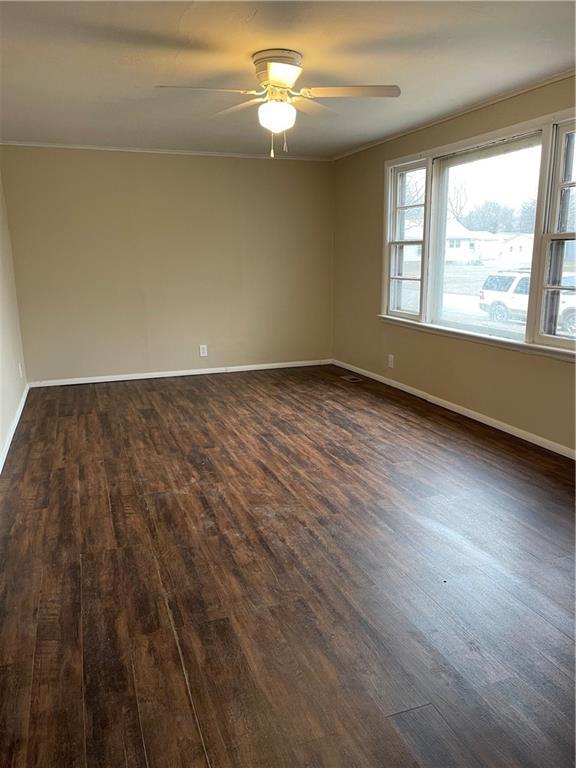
(276,116)
(283,75)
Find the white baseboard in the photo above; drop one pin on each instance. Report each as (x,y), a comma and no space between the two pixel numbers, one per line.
(488,420)
(169,374)
(10,434)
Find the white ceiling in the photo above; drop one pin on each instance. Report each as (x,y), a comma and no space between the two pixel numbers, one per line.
(83,73)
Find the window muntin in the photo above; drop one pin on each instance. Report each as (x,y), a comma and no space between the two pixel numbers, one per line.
(543,311)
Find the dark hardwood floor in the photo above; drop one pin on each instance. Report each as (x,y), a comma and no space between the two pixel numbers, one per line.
(280,569)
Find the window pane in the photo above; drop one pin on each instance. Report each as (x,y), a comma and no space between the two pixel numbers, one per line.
(412,187)
(484,265)
(560,313)
(562,263)
(406,260)
(567,218)
(410,223)
(569,168)
(405,296)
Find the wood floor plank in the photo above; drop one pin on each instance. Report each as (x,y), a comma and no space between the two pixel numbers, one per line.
(20,583)
(373,738)
(56,709)
(530,710)
(96,520)
(128,509)
(15,692)
(167,716)
(141,592)
(234,714)
(432,741)
(113,733)
(292,698)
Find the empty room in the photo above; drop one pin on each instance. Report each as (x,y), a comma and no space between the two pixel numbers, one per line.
(287,391)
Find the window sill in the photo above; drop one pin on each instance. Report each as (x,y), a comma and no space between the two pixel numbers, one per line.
(568,355)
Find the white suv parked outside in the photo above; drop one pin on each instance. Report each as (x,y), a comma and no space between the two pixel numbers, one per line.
(504,296)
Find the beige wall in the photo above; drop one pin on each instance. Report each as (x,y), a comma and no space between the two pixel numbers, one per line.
(126,262)
(12,379)
(529,392)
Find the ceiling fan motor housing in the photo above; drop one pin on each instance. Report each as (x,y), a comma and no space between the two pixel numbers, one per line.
(280,67)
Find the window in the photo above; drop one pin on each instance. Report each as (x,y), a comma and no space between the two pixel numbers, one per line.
(407,243)
(558,313)
(486,194)
(482,240)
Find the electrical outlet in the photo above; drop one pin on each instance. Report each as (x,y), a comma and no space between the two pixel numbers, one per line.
(203,350)
(21,370)
(390,361)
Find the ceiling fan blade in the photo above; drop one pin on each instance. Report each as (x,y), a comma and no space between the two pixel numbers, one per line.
(311,107)
(350,91)
(214,90)
(240,107)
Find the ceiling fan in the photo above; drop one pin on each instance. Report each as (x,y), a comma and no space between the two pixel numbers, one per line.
(277,70)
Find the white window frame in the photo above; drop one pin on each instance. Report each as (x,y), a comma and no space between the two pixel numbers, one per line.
(550,233)
(390,227)
(550,127)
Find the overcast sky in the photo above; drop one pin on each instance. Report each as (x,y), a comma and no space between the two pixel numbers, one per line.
(509,179)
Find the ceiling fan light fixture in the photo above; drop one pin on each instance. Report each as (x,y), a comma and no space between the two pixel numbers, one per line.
(276,116)
(277,70)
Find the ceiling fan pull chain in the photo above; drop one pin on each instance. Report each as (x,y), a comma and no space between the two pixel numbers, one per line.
(285,143)
(271,145)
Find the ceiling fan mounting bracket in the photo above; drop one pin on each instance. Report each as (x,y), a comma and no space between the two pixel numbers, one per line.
(280,67)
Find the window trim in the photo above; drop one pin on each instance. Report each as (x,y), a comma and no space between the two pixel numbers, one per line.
(548,125)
